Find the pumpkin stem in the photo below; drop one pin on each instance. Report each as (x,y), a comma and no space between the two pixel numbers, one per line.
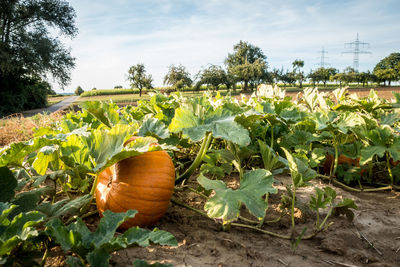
(199,158)
(94,185)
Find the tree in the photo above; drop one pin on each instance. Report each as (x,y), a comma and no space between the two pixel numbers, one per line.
(79,90)
(178,77)
(27,48)
(322,75)
(299,75)
(388,69)
(365,77)
(247,64)
(288,77)
(138,78)
(213,76)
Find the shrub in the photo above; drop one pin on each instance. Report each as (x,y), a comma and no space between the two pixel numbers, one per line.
(79,90)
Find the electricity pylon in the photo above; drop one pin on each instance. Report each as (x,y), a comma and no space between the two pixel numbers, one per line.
(356,44)
(323,63)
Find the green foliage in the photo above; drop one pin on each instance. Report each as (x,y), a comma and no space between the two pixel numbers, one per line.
(388,69)
(109,92)
(95,247)
(238,137)
(225,204)
(28,50)
(213,76)
(138,78)
(322,75)
(79,90)
(247,64)
(178,77)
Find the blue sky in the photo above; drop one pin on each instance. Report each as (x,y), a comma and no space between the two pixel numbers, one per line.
(114,35)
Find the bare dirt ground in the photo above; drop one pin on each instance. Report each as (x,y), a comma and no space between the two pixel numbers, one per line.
(203,243)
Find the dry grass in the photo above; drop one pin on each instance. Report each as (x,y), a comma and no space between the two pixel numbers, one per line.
(16,127)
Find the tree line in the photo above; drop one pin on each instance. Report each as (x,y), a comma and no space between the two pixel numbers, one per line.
(248,66)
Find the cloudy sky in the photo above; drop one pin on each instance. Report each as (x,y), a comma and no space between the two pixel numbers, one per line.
(114,35)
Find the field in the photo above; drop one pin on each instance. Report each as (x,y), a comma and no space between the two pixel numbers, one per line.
(254,181)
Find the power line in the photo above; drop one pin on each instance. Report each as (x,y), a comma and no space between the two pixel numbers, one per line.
(356,44)
(323,63)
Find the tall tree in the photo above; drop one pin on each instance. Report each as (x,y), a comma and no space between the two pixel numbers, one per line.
(28,51)
(247,64)
(178,77)
(138,78)
(388,69)
(299,75)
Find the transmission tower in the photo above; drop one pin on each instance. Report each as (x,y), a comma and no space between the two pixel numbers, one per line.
(322,58)
(356,44)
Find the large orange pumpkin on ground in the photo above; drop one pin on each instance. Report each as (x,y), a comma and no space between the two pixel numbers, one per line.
(144,183)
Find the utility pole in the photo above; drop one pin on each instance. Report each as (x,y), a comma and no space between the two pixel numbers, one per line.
(322,58)
(356,44)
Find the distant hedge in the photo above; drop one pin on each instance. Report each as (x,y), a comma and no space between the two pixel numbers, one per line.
(110,92)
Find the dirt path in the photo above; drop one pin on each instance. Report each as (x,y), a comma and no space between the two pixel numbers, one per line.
(58,106)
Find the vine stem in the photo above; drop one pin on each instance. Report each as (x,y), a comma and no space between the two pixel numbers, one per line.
(336,159)
(96,179)
(389,168)
(389,187)
(90,213)
(234,224)
(199,158)
(292,210)
(241,217)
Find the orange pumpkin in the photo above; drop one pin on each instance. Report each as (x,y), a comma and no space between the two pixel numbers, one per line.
(342,159)
(144,183)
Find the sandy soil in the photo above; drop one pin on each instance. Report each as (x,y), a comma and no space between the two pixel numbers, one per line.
(203,243)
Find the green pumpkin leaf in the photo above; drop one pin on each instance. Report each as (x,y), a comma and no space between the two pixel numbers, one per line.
(221,122)
(105,112)
(225,204)
(8,183)
(108,225)
(98,257)
(74,262)
(153,127)
(300,172)
(19,229)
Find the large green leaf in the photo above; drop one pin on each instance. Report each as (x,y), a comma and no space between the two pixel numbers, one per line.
(221,122)
(8,183)
(27,201)
(106,147)
(153,127)
(300,172)
(98,257)
(15,153)
(45,155)
(105,112)
(225,204)
(19,229)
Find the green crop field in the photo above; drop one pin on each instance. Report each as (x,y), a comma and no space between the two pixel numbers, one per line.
(230,153)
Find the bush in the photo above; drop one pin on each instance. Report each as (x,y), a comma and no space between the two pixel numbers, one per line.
(118,87)
(79,90)
(18,94)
